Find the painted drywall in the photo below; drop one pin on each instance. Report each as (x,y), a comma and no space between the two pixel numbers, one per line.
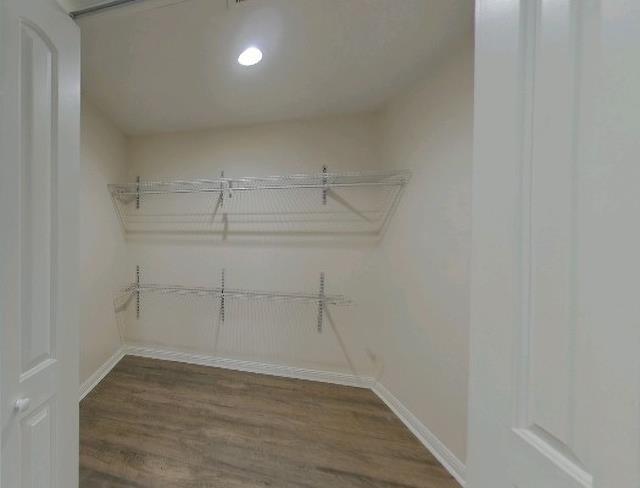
(102,244)
(284,260)
(425,254)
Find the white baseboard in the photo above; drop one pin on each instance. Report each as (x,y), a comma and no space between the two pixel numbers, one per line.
(90,383)
(424,435)
(249,366)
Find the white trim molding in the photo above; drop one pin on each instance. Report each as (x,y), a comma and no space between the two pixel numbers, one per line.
(249,366)
(434,445)
(91,382)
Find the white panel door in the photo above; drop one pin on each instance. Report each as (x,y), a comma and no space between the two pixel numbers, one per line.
(39,144)
(555,347)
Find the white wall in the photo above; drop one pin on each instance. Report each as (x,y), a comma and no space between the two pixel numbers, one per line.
(426,251)
(102,244)
(289,261)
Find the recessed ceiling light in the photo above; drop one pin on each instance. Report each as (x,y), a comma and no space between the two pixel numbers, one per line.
(250,56)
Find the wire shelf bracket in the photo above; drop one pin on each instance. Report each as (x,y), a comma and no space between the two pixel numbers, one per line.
(137,292)
(325,188)
(221,313)
(321,298)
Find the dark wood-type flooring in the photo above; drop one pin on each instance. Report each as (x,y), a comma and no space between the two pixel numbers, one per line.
(159,424)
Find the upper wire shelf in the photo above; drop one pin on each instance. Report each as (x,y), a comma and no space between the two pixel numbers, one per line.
(322,181)
(330,203)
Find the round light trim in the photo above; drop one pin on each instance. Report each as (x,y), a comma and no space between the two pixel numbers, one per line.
(250,56)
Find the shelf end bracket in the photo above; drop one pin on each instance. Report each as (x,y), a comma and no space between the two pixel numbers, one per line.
(137,192)
(221,313)
(138,272)
(325,188)
(321,303)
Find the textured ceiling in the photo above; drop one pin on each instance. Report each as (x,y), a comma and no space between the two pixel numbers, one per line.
(170,65)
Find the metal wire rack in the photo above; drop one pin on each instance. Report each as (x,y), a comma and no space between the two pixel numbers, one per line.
(241,294)
(323,181)
(222,293)
(356,202)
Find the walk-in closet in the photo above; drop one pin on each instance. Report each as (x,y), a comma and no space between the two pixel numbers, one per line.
(319,243)
(275,242)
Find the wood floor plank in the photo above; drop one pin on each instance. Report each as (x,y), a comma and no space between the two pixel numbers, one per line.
(157,424)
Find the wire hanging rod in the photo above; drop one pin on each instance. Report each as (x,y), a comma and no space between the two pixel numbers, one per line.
(101,6)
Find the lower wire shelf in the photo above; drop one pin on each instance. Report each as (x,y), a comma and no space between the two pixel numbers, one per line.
(221,293)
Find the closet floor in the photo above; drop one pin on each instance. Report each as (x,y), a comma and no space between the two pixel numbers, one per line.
(152,423)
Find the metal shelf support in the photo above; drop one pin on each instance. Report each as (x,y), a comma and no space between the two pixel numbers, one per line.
(222,298)
(137,292)
(325,189)
(321,303)
(137,192)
